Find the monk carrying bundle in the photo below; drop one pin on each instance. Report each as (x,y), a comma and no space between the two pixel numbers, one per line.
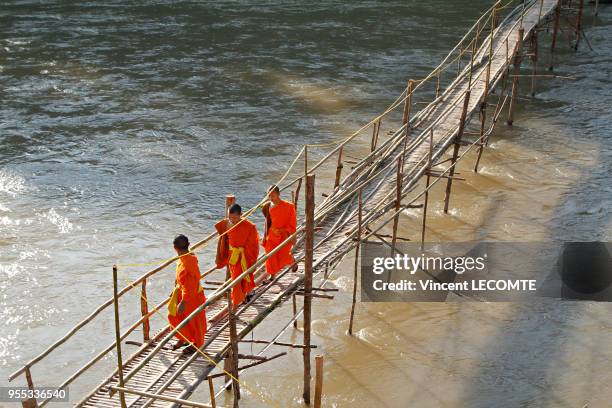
(280,225)
(186,297)
(238,248)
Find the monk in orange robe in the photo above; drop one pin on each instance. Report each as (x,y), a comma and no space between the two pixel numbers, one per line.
(187,296)
(238,249)
(280,224)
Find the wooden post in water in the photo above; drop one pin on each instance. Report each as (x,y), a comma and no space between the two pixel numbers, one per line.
(297,194)
(429,166)
(579,24)
(518,57)
(407,107)
(228,364)
(339,167)
(118,337)
(211,389)
(451,173)
(534,60)
(144,310)
(295,323)
(233,361)
(554,36)
(398,202)
(318,380)
(29,402)
(375,130)
(308,260)
(355,270)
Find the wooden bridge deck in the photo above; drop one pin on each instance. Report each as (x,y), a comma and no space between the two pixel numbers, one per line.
(177,375)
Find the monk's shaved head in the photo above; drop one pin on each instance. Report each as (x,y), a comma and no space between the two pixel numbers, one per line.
(274,189)
(235,209)
(181,242)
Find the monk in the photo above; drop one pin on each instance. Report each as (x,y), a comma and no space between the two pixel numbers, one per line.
(187,296)
(238,249)
(280,224)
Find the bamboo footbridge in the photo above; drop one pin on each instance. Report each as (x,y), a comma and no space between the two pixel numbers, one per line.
(479,77)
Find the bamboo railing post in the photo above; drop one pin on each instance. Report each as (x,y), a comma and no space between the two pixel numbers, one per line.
(596,8)
(451,173)
(398,203)
(355,270)
(375,130)
(233,349)
(144,310)
(308,260)
(29,402)
(339,167)
(534,61)
(407,107)
(295,323)
(211,389)
(318,380)
(579,23)
(517,70)
(297,193)
(554,36)
(118,337)
(429,166)
(228,365)
(438,84)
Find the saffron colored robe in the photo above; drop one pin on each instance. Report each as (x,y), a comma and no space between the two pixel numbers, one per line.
(242,250)
(192,294)
(281,223)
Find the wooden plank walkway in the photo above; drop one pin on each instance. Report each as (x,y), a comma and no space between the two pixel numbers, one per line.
(177,375)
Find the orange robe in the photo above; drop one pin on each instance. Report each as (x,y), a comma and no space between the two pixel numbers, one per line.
(188,279)
(281,224)
(242,252)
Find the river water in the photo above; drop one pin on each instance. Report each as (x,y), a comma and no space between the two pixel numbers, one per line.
(124,124)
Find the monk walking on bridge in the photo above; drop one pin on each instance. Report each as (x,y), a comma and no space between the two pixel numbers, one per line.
(238,248)
(280,224)
(188,295)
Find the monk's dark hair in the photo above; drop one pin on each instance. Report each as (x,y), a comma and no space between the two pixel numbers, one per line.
(235,209)
(274,188)
(181,242)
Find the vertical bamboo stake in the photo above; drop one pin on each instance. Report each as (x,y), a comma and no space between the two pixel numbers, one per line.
(517,70)
(398,203)
(407,106)
(118,337)
(359,216)
(429,165)
(144,310)
(295,323)
(318,381)
(534,60)
(449,183)
(596,8)
(579,24)
(339,167)
(228,364)
(211,389)
(309,254)
(233,349)
(29,403)
(375,130)
(438,84)
(28,375)
(554,36)
(297,194)
(305,160)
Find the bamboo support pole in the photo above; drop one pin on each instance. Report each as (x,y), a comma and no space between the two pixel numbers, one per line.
(144,310)
(211,389)
(233,349)
(553,42)
(579,23)
(29,403)
(28,375)
(427,180)
(297,193)
(375,131)
(339,167)
(355,269)
(118,337)
(229,365)
(398,202)
(534,61)
(517,69)
(309,256)
(408,107)
(318,381)
(449,183)
(295,323)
